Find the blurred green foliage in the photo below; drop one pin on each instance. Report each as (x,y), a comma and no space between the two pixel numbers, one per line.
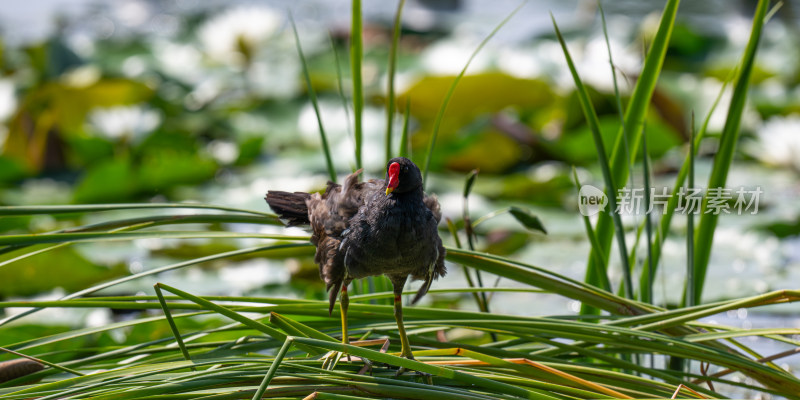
(496,122)
(62,267)
(142,116)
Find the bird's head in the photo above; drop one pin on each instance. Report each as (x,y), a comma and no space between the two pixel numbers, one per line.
(402,176)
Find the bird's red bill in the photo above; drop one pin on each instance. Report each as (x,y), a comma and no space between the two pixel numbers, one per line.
(394,177)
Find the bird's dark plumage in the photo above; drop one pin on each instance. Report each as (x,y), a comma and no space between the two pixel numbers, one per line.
(379,227)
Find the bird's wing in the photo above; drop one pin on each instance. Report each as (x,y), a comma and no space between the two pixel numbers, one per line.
(330,216)
(432,202)
(426,285)
(330,213)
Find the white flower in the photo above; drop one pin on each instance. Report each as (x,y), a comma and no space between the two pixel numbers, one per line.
(124,122)
(778,142)
(250,26)
(223,151)
(448,57)
(179,60)
(8,100)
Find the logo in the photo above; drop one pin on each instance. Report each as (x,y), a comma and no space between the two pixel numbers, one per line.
(591,200)
(688,201)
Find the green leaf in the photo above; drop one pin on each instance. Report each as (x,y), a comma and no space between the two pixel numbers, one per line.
(313,96)
(491,152)
(11,170)
(356,59)
(634,118)
(161,171)
(605,167)
(110,181)
(60,268)
(470,181)
(575,146)
(390,94)
(481,93)
(527,219)
(724,157)
(442,109)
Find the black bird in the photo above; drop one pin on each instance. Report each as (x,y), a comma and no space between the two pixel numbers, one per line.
(379,227)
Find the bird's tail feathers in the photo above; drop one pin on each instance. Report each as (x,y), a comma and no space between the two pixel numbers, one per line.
(333,291)
(435,270)
(290,207)
(423,289)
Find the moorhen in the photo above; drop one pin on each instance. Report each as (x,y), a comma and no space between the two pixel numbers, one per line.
(379,227)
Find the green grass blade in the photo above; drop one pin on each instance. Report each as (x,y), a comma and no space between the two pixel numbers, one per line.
(334,396)
(297,328)
(611,188)
(390,96)
(340,85)
(648,222)
(250,323)
(7,240)
(171,322)
(273,368)
(596,251)
(475,295)
(43,362)
(727,148)
(690,270)
(672,203)
(634,248)
(83,208)
(468,183)
(137,223)
(307,247)
(312,95)
(429,369)
(634,118)
(404,147)
(617,96)
(548,280)
(160,378)
(446,101)
(356,58)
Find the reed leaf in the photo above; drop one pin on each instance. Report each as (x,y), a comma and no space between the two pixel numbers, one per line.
(596,249)
(437,122)
(356,58)
(390,96)
(672,203)
(727,147)
(634,118)
(605,167)
(312,95)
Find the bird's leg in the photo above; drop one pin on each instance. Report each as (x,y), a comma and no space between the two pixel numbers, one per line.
(344,303)
(405,349)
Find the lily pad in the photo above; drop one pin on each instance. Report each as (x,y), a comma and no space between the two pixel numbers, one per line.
(59,268)
(109,181)
(577,146)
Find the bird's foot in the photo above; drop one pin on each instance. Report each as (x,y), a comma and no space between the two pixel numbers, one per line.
(428,378)
(366,368)
(331,359)
(402,370)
